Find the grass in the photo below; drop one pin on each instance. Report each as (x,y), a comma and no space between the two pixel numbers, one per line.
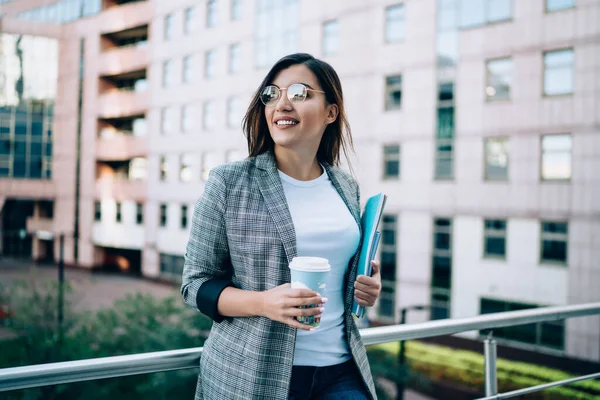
(465,368)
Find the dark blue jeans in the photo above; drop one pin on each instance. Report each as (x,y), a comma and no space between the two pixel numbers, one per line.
(335,382)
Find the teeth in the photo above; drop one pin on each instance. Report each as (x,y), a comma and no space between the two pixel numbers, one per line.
(286,123)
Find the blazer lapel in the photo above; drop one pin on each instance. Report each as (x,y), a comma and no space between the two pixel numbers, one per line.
(271,189)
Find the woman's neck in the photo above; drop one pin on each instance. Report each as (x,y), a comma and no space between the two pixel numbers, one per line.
(303,167)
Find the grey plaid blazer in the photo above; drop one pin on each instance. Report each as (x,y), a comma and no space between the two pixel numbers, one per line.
(242,235)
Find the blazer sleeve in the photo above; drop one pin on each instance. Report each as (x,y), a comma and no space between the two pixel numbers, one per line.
(207,268)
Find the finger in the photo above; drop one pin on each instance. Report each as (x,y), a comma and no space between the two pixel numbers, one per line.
(371,288)
(303,312)
(376,267)
(306,301)
(367,280)
(303,293)
(362,302)
(298,325)
(367,298)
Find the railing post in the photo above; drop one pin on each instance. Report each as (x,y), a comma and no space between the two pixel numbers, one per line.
(491,380)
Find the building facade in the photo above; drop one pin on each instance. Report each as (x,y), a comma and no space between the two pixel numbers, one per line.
(479,118)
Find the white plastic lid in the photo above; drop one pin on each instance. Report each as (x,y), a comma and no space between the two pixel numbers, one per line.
(313,264)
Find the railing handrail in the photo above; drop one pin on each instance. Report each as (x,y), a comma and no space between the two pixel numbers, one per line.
(111,367)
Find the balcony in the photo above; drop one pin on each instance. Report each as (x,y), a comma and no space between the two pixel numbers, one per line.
(116,187)
(121,147)
(121,15)
(123,102)
(126,58)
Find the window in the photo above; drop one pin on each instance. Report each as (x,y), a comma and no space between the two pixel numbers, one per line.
(189,22)
(494,238)
(555,236)
(209,64)
(97,211)
(184,217)
(168,28)
(118,213)
(496,159)
(188,69)
(277,27)
(331,37)
(481,12)
(167,78)
(387,298)
(211,13)
(236,9)
(138,169)
(209,161)
(186,170)
(391,161)
(187,118)
(167,120)
(395,23)
(445,92)
(235,58)
(209,120)
(444,157)
(556,157)
(139,213)
(558,72)
(393,92)
(163,215)
(441,274)
(499,78)
(556,5)
(549,334)
(163,168)
(171,266)
(234,117)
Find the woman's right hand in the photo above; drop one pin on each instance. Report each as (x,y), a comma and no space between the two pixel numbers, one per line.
(281,304)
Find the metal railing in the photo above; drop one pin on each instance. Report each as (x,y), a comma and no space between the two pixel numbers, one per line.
(111,367)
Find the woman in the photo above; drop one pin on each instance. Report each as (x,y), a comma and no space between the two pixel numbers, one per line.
(285,200)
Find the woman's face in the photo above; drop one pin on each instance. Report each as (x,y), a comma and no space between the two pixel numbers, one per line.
(308,118)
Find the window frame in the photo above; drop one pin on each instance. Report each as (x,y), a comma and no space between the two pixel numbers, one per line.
(163,211)
(493,99)
(386,158)
(328,39)
(97,211)
(544,70)
(119,212)
(544,179)
(391,88)
(139,213)
(183,220)
(387,20)
(168,27)
(494,233)
(553,236)
(486,176)
(549,11)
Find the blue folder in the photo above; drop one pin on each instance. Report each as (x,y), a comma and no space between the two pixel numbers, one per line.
(369,222)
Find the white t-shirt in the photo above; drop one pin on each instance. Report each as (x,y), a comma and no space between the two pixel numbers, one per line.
(324,228)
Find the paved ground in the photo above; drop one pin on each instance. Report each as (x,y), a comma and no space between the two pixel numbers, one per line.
(94,291)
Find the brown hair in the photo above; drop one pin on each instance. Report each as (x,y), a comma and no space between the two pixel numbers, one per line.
(337,135)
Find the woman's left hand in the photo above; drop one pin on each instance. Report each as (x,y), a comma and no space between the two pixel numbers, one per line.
(367,288)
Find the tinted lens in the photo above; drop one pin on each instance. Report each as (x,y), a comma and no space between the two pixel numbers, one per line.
(270,95)
(296,93)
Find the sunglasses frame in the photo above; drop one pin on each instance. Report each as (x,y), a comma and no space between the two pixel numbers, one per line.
(274,101)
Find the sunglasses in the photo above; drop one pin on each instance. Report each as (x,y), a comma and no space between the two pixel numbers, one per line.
(296,93)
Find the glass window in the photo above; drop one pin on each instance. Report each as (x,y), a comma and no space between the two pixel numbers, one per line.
(189,23)
(234,112)
(187,118)
(393,92)
(499,79)
(276,34)
(556,157)
(184,217)
(387,299)
(444,158)
(186,167)
(118,214)
(494,238)
(480,12)
(446,92)
(138,169)
(164,168)
(188,70)
(235,58)
(163,215)
(554,242)
(555,5)
(139,213)
(168,28)
(167,77)
(395,23)
(167,120)
(171,266)
(209,120)
(441,274)
(331,37)
(391,161)
(236,9)
(209,161)
(209,64)
(211,13)
(97,211)
(496,159)
(558,72)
